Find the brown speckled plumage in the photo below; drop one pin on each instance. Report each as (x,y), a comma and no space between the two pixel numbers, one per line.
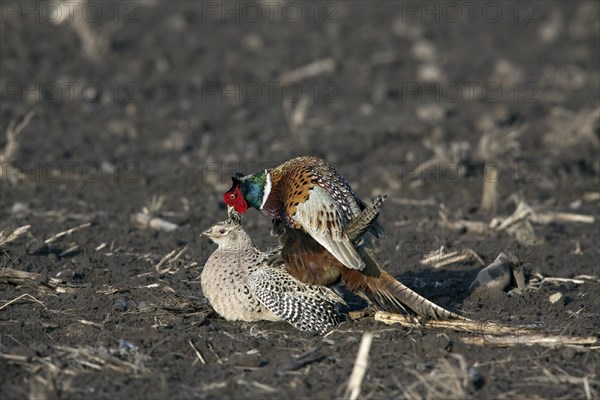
(315,204)
(295,179)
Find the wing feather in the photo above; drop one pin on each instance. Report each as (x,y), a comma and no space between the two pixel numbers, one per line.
(321,219)
(306,307)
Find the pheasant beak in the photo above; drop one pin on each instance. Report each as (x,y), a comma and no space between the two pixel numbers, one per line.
(207,233)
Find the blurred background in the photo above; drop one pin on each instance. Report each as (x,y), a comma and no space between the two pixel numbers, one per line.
(126,119)
(114,104)
(184,93)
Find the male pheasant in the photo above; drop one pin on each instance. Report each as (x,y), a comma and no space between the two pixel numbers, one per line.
(314,204)
(243,283)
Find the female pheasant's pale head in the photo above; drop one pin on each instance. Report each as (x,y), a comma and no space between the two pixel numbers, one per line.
(227,233)
(248,191)
(221,231)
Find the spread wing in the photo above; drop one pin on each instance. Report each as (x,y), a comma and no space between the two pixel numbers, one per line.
(306,307)
(321,219)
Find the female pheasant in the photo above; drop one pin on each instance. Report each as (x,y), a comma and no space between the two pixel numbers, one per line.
(243,283)
(240,285)
(314,204)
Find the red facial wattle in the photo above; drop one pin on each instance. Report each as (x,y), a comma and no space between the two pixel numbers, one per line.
(234,198)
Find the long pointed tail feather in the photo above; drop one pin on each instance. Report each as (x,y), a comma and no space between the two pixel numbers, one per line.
(395,294)
(387,293)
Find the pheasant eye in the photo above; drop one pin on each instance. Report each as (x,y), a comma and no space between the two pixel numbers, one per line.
(222,231)
(232,196)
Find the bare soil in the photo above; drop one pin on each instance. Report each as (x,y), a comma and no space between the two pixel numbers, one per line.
(177,96)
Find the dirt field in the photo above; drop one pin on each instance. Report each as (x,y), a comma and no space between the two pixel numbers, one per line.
(113,109)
